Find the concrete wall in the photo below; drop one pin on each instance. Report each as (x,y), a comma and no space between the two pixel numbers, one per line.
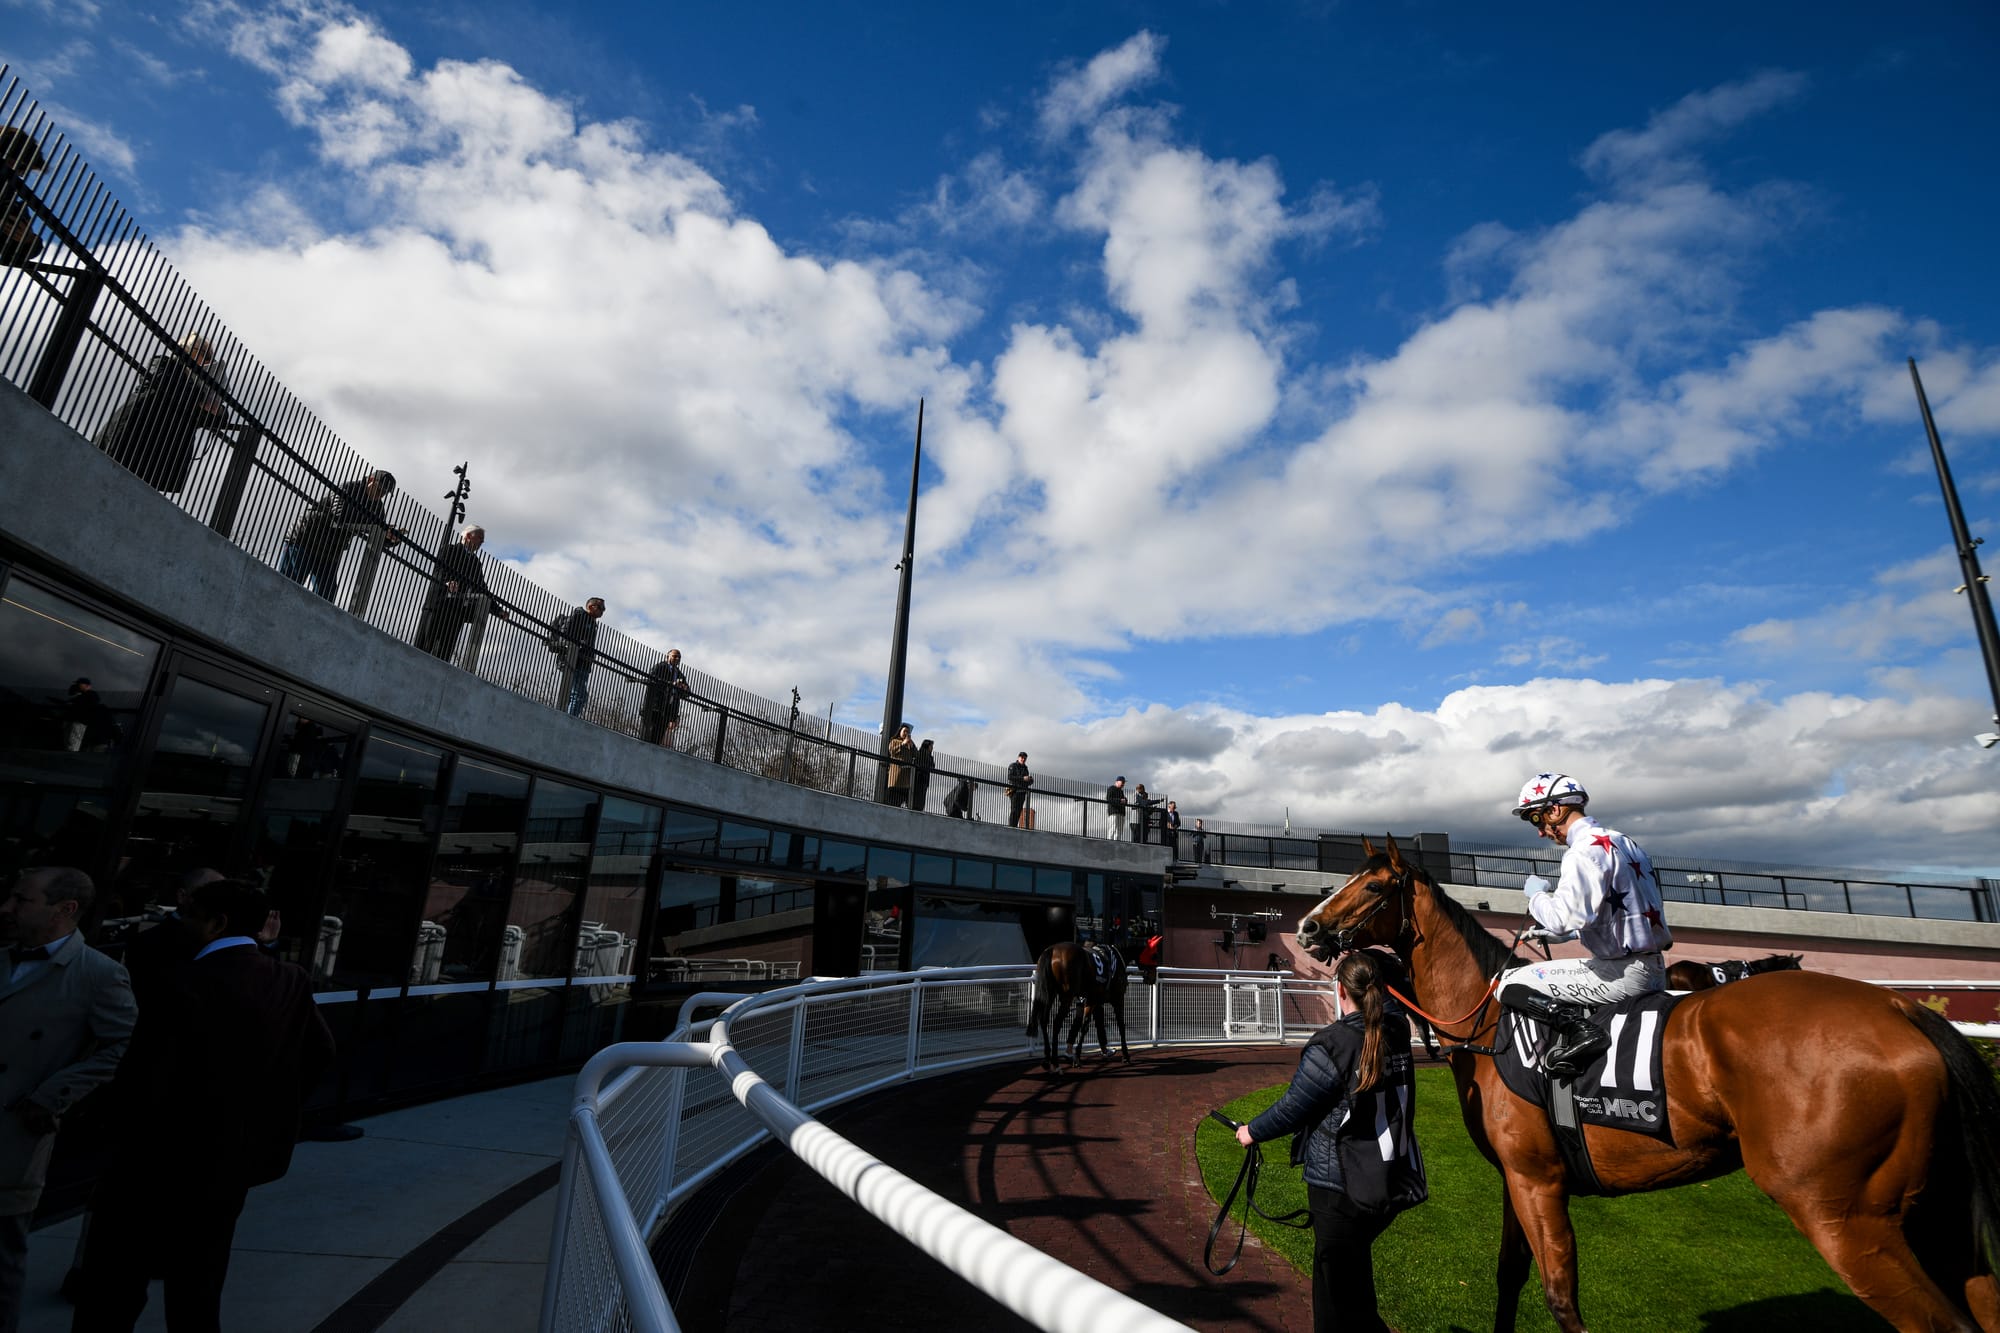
(69,504)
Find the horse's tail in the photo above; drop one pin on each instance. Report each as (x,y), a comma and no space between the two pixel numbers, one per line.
(1972,1128)
(1038,1015)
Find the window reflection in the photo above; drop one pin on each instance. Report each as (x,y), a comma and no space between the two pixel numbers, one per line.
(467,899)
(555,860)
(384,864)
(712,928)
(191,796)
(71,687)
(293,838)
(957,934)
(627,833)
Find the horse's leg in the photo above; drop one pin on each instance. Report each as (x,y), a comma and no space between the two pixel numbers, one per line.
(1060,1032)
(1103,1042)
(1872,1257)
(1982,1295)
(1076,1032)
(1512,1273)
(1541,1208)
(1124,1050)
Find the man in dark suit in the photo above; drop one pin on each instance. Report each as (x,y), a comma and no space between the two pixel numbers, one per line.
(66,1013)
(211,1091)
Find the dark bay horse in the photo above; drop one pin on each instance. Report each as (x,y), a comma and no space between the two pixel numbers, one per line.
(1869,1119)
(1686,975)
(1067,974)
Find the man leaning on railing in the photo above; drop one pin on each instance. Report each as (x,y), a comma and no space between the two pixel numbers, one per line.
(19,242)
(458,594)
(317,541)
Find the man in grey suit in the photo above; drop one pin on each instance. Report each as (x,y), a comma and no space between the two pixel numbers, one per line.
(66,1013)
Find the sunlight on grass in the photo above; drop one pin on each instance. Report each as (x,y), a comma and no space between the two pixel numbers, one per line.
(1718,1256)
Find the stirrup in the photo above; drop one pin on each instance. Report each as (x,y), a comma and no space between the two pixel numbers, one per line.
(1571,1056)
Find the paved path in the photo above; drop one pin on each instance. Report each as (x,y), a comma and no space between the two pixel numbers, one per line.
(1096,1169)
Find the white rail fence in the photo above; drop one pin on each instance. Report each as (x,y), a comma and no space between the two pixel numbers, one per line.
(654,1121)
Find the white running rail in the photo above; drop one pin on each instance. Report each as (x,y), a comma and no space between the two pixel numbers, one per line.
(653,1121)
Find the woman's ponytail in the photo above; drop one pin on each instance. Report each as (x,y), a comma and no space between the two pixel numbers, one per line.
(1361,977)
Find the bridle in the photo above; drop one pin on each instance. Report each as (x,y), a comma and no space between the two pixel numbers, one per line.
(1401,889)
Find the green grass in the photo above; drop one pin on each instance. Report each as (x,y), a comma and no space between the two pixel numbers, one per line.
(1704,1258)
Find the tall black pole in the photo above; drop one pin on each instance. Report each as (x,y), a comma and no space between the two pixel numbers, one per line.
(899,647)
(1968,555)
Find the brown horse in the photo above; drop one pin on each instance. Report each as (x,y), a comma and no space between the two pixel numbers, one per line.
(1869,1119)
(1066,974)
(1687,975)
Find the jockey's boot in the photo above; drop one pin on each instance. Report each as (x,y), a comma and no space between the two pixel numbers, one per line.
(1578,1040)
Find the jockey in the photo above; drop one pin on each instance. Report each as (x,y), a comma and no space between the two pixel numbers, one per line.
(1609,896)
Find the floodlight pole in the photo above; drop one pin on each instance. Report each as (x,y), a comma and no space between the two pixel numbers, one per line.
(1968,554)
(899,646)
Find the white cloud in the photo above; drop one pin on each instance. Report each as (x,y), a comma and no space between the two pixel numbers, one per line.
(1079,96)
(1664,149)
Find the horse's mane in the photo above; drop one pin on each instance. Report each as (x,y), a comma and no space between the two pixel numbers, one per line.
(1491,955)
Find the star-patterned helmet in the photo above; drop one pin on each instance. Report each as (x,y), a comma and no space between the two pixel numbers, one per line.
(1546,789)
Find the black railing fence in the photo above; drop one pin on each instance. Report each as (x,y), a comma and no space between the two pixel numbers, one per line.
(98,327)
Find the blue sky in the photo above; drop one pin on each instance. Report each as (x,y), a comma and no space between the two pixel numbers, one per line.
(1345,410)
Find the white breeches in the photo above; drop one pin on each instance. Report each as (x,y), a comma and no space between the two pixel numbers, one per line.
(1592,981)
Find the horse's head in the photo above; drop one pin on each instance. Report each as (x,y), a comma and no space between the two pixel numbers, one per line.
(1375,906)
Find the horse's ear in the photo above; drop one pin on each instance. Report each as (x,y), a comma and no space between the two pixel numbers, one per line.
(1367,847)
(1395,853)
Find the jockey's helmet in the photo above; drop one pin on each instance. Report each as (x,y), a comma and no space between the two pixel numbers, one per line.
(1547,789)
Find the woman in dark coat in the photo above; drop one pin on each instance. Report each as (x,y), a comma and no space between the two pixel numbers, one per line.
(1349,1112)
(151,434)
(920,781)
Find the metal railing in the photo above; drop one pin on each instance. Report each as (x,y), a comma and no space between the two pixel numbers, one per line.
(653,1122)
(101,330)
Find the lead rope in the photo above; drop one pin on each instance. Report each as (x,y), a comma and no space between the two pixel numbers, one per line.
(1248,1173)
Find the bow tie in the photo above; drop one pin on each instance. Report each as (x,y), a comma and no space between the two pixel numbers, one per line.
(20,955)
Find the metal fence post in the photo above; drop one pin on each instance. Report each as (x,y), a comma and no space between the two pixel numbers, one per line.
(242,455)
(364,574)
(721,730)
(913,1046)
(65,338)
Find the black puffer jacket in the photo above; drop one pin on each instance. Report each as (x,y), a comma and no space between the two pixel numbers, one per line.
(1317,1110)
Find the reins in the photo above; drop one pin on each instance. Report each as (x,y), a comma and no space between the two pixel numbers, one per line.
(1246,1184)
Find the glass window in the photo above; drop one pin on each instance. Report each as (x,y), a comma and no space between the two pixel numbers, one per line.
(369,936)
(784,846)
(974,874)
(955,934)
(191,794)
(467,900)
(71,686)
(555,862)
(931,868)
(294,831)
(690,906)
(884,863)
(745,842)
(757,897)
(1013,879)
(842,858)
(1055,883)
(627,833)
(689,832)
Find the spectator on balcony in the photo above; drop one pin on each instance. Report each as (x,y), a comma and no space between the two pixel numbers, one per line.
(151,434)
(1019,780)
(920,781)
(576,637)
(210,1094)
(1200,841)
(902,766)
(958,801)
(459,579)
(1114,809)
(1170,829)
(1143,803)
(19,241)
(666,686)
(317,541)
(66,1014)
